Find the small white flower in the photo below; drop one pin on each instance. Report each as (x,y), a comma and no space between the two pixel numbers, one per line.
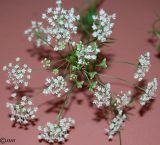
(18,59)
(103,95)
(21,112)
(56,132)
(46,63)
(142,66)
(102,25)
(35,32)
(115,124)
(14,95)
(149,92)
(17,74)
(122,99)
(55,86)
(87,53)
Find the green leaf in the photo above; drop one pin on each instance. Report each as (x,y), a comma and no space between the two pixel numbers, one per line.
(79,84)
(158,34)
(103,64)
(79,45)
(92,74)
(92,85)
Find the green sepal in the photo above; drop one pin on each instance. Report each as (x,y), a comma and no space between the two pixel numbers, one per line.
(103,63)
(79,84)
(92,74)
(92,85)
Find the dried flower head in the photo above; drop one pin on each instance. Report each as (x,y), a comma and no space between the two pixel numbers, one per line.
(21,112)
(17,74)
(56,132)
(102,25)
(149,92)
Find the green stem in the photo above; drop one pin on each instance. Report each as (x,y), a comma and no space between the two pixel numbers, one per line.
(154,25)
(61,65)
(120,138)
(36,94)
(86,76)
(58,61)
(48,44)
(59,116)
(125,62)
(91,41)
(66,69)
(121,79)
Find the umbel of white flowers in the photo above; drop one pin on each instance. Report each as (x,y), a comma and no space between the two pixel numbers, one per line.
(85,54)
(122,99)
(61,24)
(55,86)
(56,132)
(103,95)
(21,112)
(116,124)
(17,74)
(149,92)
(142,66)
(102,25)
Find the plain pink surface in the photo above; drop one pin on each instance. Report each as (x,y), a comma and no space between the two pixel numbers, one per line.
(134,19)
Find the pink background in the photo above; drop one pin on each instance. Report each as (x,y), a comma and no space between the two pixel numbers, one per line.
(134,19)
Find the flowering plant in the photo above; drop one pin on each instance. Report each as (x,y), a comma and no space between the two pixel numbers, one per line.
(78,66)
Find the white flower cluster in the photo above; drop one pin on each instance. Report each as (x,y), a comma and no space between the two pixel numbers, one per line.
(46,63)
(102,25)
(61,24)
(103,95)
(36,33)
(55,86)
(116,124)
(56,132)
(17,74)
(143,66)
(21,112)
(122,99)
(85,54)
(149,92)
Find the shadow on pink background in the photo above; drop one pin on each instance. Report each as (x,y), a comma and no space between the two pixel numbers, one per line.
(134,19)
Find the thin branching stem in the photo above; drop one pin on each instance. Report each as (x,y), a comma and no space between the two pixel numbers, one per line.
(124,80)
(120,138)
(66,101)
(125,62)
